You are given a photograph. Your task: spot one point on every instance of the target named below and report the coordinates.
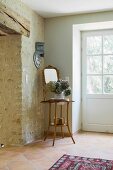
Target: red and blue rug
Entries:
(67, 162)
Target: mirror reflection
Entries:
(50, 75)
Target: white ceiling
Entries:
(53, 8)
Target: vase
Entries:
(59, 96)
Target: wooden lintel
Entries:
(7, 30)
(2, 33)
(11, 22)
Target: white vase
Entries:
(59, 96)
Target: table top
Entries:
(54, 100)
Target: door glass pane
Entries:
(108, 44)
(94, 45)
(94, 84)
(108, 64)
(108, 84)
(94, 64)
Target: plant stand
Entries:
(55, 124)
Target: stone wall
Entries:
(10, 90)
(32, 118)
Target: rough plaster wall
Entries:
(32, 111)
(33, 119)
(10, 90)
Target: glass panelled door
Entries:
(97, 81)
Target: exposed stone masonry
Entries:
(21, 114)
(10, 90)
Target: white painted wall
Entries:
(59, 50)
(76, 73)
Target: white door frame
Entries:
(76, 68)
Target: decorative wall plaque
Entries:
(39, 52)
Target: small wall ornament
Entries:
(39, 52)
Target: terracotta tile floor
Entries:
(41, 155)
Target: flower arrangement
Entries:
(59, 86)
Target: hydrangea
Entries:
(59, 86)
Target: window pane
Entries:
(108, 84)
(94, 45)
(108, 44)
(108, 64)
(94, 84)
(94, 64)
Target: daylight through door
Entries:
(97, 81)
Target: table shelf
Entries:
(53, 124)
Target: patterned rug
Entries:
(67, 162)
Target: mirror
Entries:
(50, 74)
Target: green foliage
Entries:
(67, 92)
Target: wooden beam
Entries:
(2, 33)
(11, 22)
(7, 30)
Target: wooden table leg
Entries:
(61, 125)
(68, 123)
(49, 121)
(46, 134)
(55, 123)
(62, 132)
